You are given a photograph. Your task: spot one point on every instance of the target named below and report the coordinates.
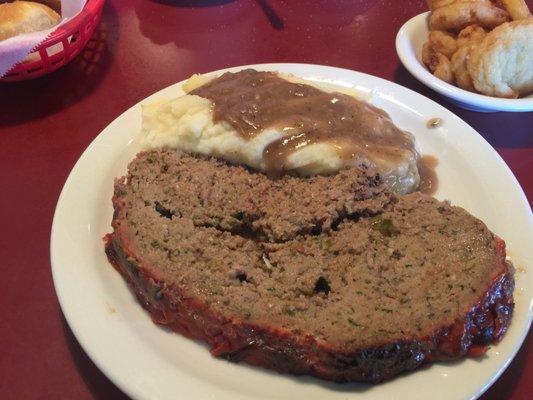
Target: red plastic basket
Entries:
(63, 45)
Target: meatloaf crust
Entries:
(482, 319)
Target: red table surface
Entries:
(142, 46)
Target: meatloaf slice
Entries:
(232, 198)
(375, 294)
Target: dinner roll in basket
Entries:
(24, 17)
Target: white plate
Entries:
(149, 362)
(409, 41)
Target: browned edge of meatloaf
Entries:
(300, 353)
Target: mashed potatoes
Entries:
(186, 123)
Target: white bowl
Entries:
(409, 41)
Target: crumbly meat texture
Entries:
(365, 298)
(214, 193)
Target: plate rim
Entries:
(112, 375)
(404, 48)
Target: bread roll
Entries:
(24, 17)
(53, 4)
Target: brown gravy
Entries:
(251, 101)
(429, 181)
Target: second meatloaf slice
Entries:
(336, 278)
